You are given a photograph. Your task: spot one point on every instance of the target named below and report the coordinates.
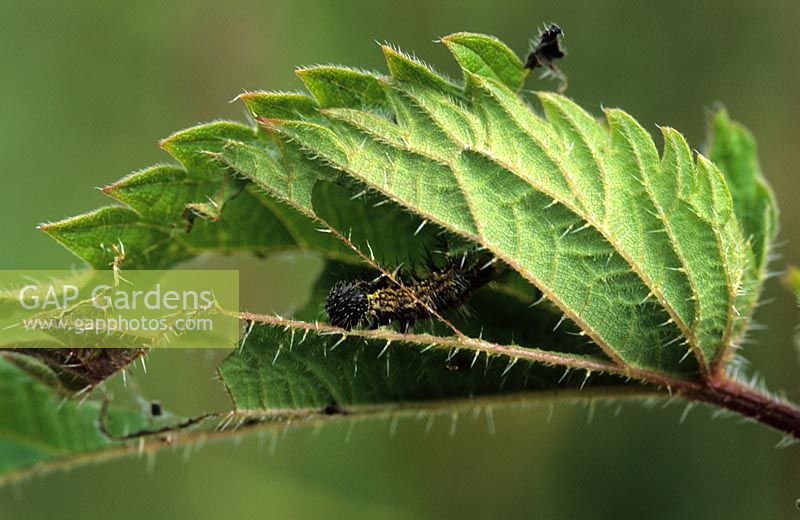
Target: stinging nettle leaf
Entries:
(630, 269)
(646, 211)
(48, 428)
(592, 215)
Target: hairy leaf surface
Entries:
(629, 265)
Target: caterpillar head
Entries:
(348, 305)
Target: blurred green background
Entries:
(87, 89)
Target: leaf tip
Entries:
(453, 38)
(546, 96)
(166, 143)
(302, 72)
(718, 110)
(670, 134)
(388, 50)
(245, 96)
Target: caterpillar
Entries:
(371, 304)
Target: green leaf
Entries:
(733, 150)
(100, 237)
(291, 371)
(498, 174)
(487, 56)
(629, 269)
(38, 427)
(592, 216)
(174, 213)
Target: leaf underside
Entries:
(649, 263)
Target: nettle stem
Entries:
(749, 402)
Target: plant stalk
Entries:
(749, 402)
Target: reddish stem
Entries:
(749, 402)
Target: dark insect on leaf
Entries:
(546, 50)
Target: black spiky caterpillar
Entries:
(371, 304)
